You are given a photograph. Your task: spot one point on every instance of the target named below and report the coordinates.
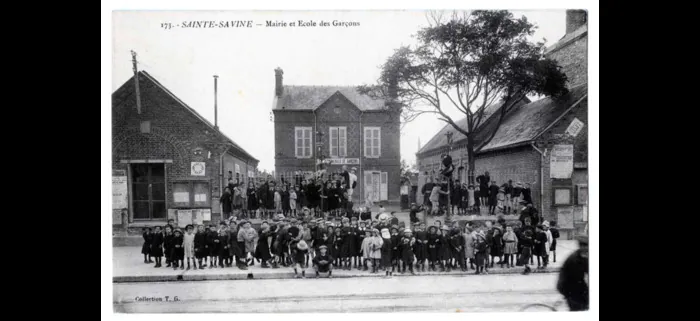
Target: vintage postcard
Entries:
(350, 161)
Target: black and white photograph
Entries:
(351, 161)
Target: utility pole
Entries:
(136, 81)
(448, 218)
(216, 123)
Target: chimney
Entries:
(575, 19)
(278, 81)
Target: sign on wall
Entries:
(561, 161)
(575, 127)
(197, 168)
(251, 174)
(119, 192)
(184, 217)
(565, 217)
(344, 161)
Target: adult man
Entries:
(508, 187)
(493, 197)
(322, 262)
(447, 167)
(483, 181)
(426, 191)
(572, 283)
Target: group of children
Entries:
(349, 243)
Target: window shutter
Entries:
(376, 143)
(384, 190)
(368, 142)
(334, 141)
(307, 142)
(342, 142)
(298, 142)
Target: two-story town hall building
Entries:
(342, 126)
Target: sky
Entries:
(185, 59)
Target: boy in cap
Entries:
(445, 250)
(322, 262)
(168, 245)
(526, 242)
(361, 235)
(434, 242)
(299, 250)
(481, 247)
(178, 250)
(540, 241)
(555, 235)
(386, 251)
(406, 250)
(212, 245)
(420, 249)
(200, 245)
(146, 248)
(457, 246)
(395, 253)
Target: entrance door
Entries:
(148, 186)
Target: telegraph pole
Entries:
(136, 81)
(216, 123)
(448, 218)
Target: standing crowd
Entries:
(381, 243)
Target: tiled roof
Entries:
(526, 122)
(568, 38)
(194, 113)
(311, 97)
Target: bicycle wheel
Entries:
(538, 307)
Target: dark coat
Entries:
(457, 246)
(178, 250)
(395, 252)
(497, 245)
(445, 250)
(434, 244)
(252, 199)
(420, 248)
(157, 245)
(493, 194)
(223, 245)
(262, 251)
(571, 283)
(200, 245)
(540, 244)
(147, 240)
(406, 249)
(168, 245)
(555, 236)
(210, 245)
(386, 253)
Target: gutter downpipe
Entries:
(544, 154)
(314, 145)
(362, 150)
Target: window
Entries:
(146, 126)
(148, 191)
(302, 142)
(373, 139)
(191, 194)
(562, 196)
(582, 194)
(338, 141)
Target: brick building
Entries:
(342, 126)
(167, 160)
(522, 148)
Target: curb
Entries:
(290, 275)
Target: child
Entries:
(526, 250)
(348, 243)
(471, 199)
(540, 241)
(386, 251)
(322, 262)
(445, 251)
(250, 239)
(414, 213)
(308, 237)
(278, 201)
(356, 248)
(168, 245)
(262, 251)
(222, 245)
(299, 250)
(420, 249)
(501, 197)
(395, 253)
(200, 245)
(337, 246)
(481, 246)
(365, 249)
(457, 246)
(146, 248)
(555, 235)
(293, 200)
(406, 249)
(361, 236)
(433, 247)
(497, 246)
(550, 240)
(469, 238)
(157, 246)
(178, 250)
(212, 243)
(477, 200)
(510, 241)
(188, 244)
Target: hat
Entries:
(302, 245)
(354, 218)
(519, 184)
(385, 233)
(383, 217)
(322, 247)
(582, 240)
(354, 169)
(408, 230)
(445, 228)
(432, 227)
(374, 230)
(394, 229)
(545, 224)
(294, 221)
(305, 209)
(177, 230)
(280, 216)
(345, 219)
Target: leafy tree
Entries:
(468, 62)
